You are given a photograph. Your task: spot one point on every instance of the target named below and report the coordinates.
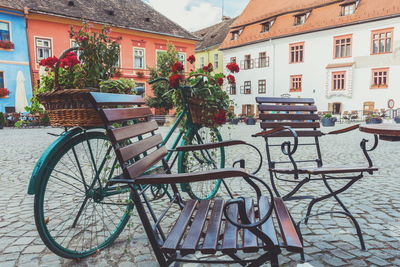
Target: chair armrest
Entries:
(209, 145)
(190, 177)
(289, 234)
(345, 130)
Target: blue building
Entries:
(15, 73)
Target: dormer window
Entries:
(235, 35)
(300, 19)
(348, 8)
(266, 26)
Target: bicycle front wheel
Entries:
(76, 213)
(201, 160)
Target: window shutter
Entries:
(252, 110)
(330, 107)
(243, 109)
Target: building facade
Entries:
(344, 54)
(15, 73)
(207, 50)
(141, 32)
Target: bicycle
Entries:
(73, 198)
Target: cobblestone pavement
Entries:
(329, 240)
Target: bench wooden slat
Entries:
(170, 245)
(142, 165)
(121, 114)
(310, 108)
(284, 100)
(292, 117)
(139, 147)
(296, 125)
(230, 239)
(214, 225)
(134, 130)
(268, 227)
(288, 230)
(193, 236)
(116, 99)
(249, 239)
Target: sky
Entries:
(197, 14)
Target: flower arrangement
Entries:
(4, 92)
(208, 102)
(7, 45)
(140, 74)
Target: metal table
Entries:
(386, 131)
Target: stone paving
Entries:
(329, 240)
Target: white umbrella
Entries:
(20, 93)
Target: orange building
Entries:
(142, 32)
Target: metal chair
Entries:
(280, 118)
(224, 227)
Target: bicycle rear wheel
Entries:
(201, 160)
(76, 213)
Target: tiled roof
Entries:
(214, 35)
(132, 14)
(324, 14)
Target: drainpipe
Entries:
(26, 13)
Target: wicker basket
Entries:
(69, 108)
(201, 115)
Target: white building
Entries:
(344, 54)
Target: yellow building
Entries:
(207, 50)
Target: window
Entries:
(382, 41)
(262, 86)
(338, 80)
(201, 62)
(348, 9)
(233, 59)
(43, 49)
(296, 53)
(138, 61)
(118, 63)
(247, 62)
(246, 89)
(216, 61)
(248, 110)
(380, 78)
(235, 35)
(5, 31)
(265, 26)
(296, 83)
(337, 108)
(232, 89)
(262, 60)
(342, 46)
(182, 58)
(300, 19)
(73, 45)
(2, 83)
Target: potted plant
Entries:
(2, 120)
(6, 45)
(234, 121)
(69, 79)
(373, 119)
(140, 74)
(328, 120)
(4, 93)
(397, 119)
(250, 120)
(121, 86)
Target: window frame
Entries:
(158, 51)
(9, 29)
(386, 76)
(262, 86)
(296, 19)
(233, 60)
(202, 62)
(262, 60)
(183, 61)
(3, 73)
(247, 91)
(235, 35)
(344, 6)
(143, 57)
(232, 89)
(247, 62)
(293, 45)
(265, 25)
(299, 81)
(340, 38)
(36, 38)
(344, 80)
(216, 62)
(379, 32)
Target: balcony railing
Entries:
(247, 64)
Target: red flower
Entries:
(4, 92)
(49, 62)
(191, 59)
(208, 68)
(6, 45)
(231, 79)
(70, 60)
(220, 117)
(233, 67)
(177, 67)
(175, 79)
(220, 81)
